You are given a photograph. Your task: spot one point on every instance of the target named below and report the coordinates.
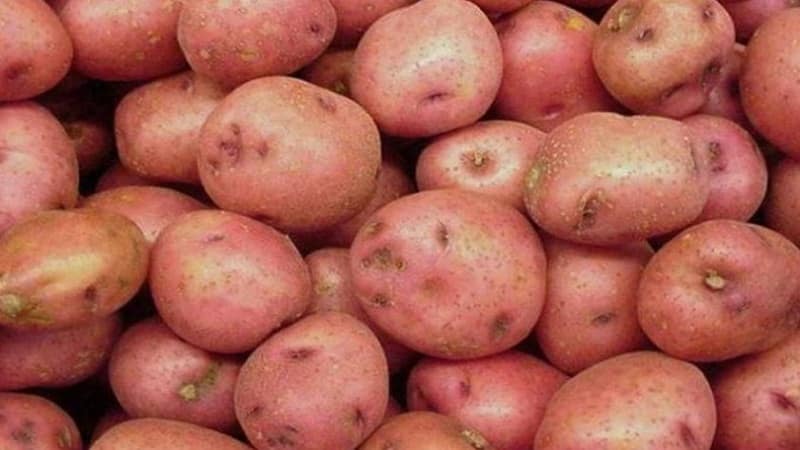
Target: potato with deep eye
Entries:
(31, 421)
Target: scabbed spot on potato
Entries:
(381, 301)
(589, 207)
(714, 280)
(194, 390)
(500, 326)
(22, 310)
(474, 439)
(624, 19)
(383, 259)
(300, 354)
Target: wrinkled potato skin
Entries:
(33, 422)
(724, 100)
(331, 71)
(783, 200)
(356, 16)
(164, 434)
(423, 430)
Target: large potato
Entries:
(641, 400)
(449, 273)
(783, 201)
(30, 422)
(605, 179)
(60, 269)
(297, 156)
(164, 434)
(427, 68)
(354, 17)
(719, 290)
(320, 384)
(423, 430)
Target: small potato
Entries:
(153, 373)
(33, 422)
(60, 269)
(211, 269)
(491, 157)
(93, 141)
(724, 100)
(606, 179)
(319, 384)
(590, 312)
(719, 290)
(233, 42)
(449, 273)
(54, 359)
(156, 126)
(164, 434)
(428, 68)
(36, 52)
(331, 71)
(548, 74)
(640, 400)
(151, 208)
(748, 15)
(502, 396)
(295, 155)
(757, 400)
(663, 57)
(783, 201)
(423, 430)
(117, 176)
(112, 417)
(130, 42)
(356, 16)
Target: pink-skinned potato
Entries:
(319, 384)
(425, 430)
(449, 273)
(110, 418)
(164, 434)
(331, 71)
(724, 100)
(33, 422)
(354, 17)
(783, 199)
(54, 359)
(748, 15)
(60, 269)
(503, 396)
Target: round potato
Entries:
(724, 100)
(164, 434)
(783, 201)
(423, 430)
(355, 16)
(331, 71)
(33, 422)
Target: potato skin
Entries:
(236, 41)
(724, 99)
(770, 98)
(500, 6)
(321, 383)
(423, 430)
(41, 52)
(783, 199)
(33, 422)
(331, 71)
(449, 273)
(453, 88)
(66, 268)
(748, 15)
(354, 17)
(641, 400)
(117, 175)
(719, 290)
(757, 398)
(93, 141)
(605, 179)
(164, 434)
(298, 156)
(213, 268)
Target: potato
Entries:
(605, 179)
(491, 157)
(449, 273)
(748, 15)
(130, 42)
(93, 141)
(783, 200)
(211, 269)
(117, 175)
(164, 434)
(757, 400)
(38, 165)
(724, 100)
(151, 208)
(663, 56)
(297, 156)
(33, 422)
(548, 74)
(640, 400)
(427, 68)
(156, 126)
(236, 41)
(355, 16)
(153, 373)
(503, 396)
(60, 269)
(57, 358)
(423, 430)
(112, 417)
(321, 383)
(590, 312)
(36, 52)
(771, 99)
(331, 71)
(719, 290)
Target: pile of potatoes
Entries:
(399, 224)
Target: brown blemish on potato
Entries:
(193, 390)
(604, 319)
(21, 310)
(17, 70)
(624, 18)
(383, 259)
(90, 295)
(714, 280)
(434, 97)
(231, 145)
(381, 301)
(300, 354)
(327, 104)
(341, 88)
(588, 208)
(687, 436)
(500, 326)
(358, 418)
(432, 286)
(64, 438)
(474, 439)
(442, 235)
(645, 35)
(715, 151)
(25, 434)
(214, 238)
(315, 27)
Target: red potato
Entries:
(783, 201)
(331, 71)
(117, 176)
(548, 74)
(214, 268)
(33, 422)
(724, 100)
(164, 434)
(111, 418)
(503, 396)
(590, 312)
(451, 274)
(719, 290)
(748, 15)
(319, 384)
(427, 68)
(354, 17)
(770, 96)
(153, 373)
(423, 430)
(93, 141)
(491, 157)
(36, 51)
(233, 42)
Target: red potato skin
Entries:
(41, 52)
(33, 422)
(356, 16)
(590, 312)
(783, 200)
(93, 141)
(117, 175)
(424, 430)
(500, 6)
(548, 74)
(109, 419)
(331, 71)
(748, 15)
(502, 396)
(164, 434)
(724, 100)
